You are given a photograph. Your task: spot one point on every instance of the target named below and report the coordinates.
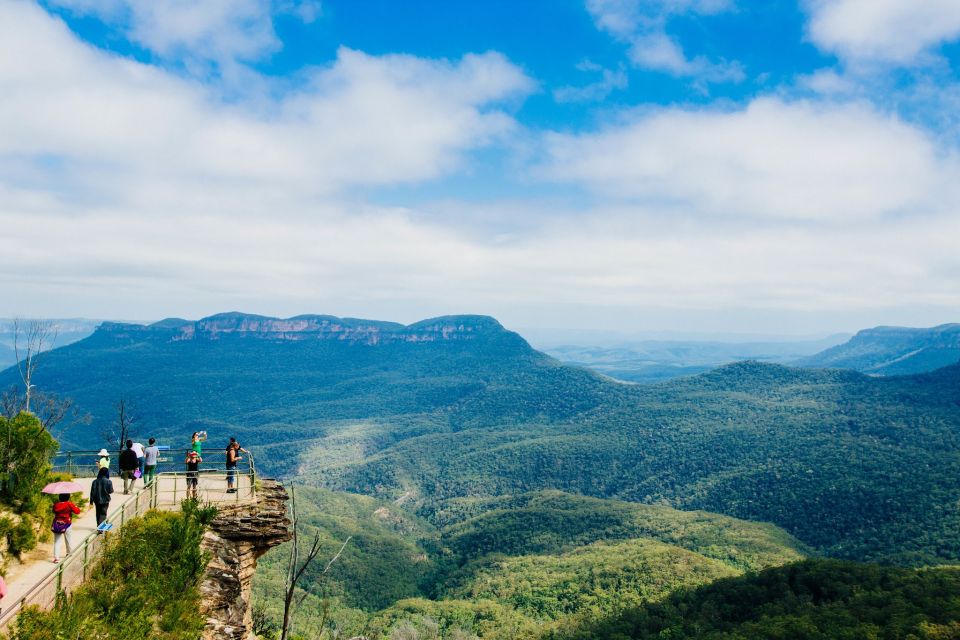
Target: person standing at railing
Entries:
(63, 512)
(128, 465)
(233, 457)
(193, 472)
(138, 449)
(150, 455)
(100, 492)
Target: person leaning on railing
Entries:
(233, 457)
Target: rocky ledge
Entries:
(237, 537)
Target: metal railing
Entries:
(163, 493)
(84, 463)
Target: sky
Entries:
(787, 167)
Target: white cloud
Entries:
(610, 80)
(886, 31)
(801, 160)
(132, 132)
(642, 24)
(129, 192)
(220, 31)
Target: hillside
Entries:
(893, 351)
(854, 466)
(537, 560)
(811, 599)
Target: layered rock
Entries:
(306, 327)
(236, 538)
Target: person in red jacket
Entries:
(63, 511)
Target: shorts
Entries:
(231, 474)
(192, 478)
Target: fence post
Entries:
(60, 578)
(86, 543)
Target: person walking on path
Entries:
(100, 492)
(63, 512)
(138, 449)
(128, 465)
(150, 455)
(233, 457)
(193, 473)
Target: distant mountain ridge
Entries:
(893, 351)
(304, 327)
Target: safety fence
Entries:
(167, 491)
(81, 464)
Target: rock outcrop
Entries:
(305, 327)
(237, 537)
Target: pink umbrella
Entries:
(67, 486)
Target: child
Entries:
(63, 511)
(193, 468)
(196, 442)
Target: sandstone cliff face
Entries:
(309, 327)
(238, 536)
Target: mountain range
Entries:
(854, 466)
(893, 351)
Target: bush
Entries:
(146, 585)
(25, 450)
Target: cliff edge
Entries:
(236, 538)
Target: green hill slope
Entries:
(535, 561)
(810, 600)
(893, 351)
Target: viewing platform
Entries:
(36, 580)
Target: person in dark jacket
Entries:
(129, 463)
(100, 492)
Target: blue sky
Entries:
(632, 165)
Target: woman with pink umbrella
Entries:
(63, 512)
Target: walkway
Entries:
(36, 579)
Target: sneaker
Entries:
(231, 490)
(56, 560)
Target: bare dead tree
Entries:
(122, 427)
(296, 568)
(30, 338)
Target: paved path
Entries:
(36, 566)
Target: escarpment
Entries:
(236, 538)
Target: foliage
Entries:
(26, 449)
(811, 599)
(525, 562)
(146, 585)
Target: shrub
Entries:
(146, 585)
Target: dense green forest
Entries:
(535, 562)
(813, 599)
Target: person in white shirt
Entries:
(138, 449)
(150, 455)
